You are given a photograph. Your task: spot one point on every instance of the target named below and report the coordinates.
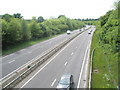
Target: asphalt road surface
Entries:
(15, 60)
(71, 59)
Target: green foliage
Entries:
(4, 31)
(26, 33)
(109, 25)
(16, 30)
(62, 16)
(17, 15)
(104, 18)
(40, 19)
(105, 58)
(35, 30)
(7, 17)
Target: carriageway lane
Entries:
(68, 60)
(14, 61)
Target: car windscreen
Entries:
(65, 81)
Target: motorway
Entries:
(14, 61)
(71, 59)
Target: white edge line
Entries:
(78, 86)
(44, 66)
(53, 82)
(86, 66)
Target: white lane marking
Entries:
(45, 65)
(53, 82)
(65, 63)
(78, 86)
(72, 53)
(8, 55)
(86, 69)
(11, 61)
(76, 47)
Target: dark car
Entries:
(89, 33)
(66, 82)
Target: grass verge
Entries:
(104, 64)
(19, 46)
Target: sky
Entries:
(73, 9)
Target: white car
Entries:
(68, 32)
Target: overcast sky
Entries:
(53, 8)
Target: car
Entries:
(66, 82)
(89, 33)
(68, 32)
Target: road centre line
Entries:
(46, 64)
(53, 82)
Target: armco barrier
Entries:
(20, 74)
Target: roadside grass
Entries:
(19, 46)
(104, 64)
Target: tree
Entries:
(34, 18)
(17, 15)
(26, 33)
(62, 16)
(7, 17)
(104, 18)
(40, 19)
(35, 30)
(14, 32)
(4, 32)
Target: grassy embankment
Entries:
(105, 64)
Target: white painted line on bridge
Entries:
(53, 82)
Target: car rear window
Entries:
(65, 81)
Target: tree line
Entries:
(108, 26)
(15, 29)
